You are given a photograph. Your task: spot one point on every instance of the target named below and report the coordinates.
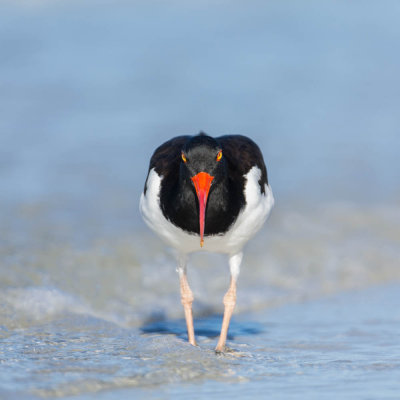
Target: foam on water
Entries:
(38, 303)
(130, 280)
(332, 347)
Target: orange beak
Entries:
(202, 183)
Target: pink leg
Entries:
(187, 300)
(229, 301)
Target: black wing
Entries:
(242, 154)
(167, 157)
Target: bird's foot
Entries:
(227, 351)
(223, 350)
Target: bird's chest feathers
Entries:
(180, 206)
(183, 234)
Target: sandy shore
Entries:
(343, 346)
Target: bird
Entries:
(205, 193)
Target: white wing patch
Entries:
(250, 220)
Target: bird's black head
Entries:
(203, 163)
(202, 153)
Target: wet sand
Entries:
(342, 346)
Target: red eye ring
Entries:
(219, 155)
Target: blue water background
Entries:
(88, 89)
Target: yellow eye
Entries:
(183, 157)
(219, 155)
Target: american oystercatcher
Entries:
(209, 194)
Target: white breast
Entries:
(250, 220)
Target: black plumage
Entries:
(178, 199)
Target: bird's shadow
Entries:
(208, 326)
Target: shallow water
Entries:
(89, 298)
(105, 320)
(338, 346)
